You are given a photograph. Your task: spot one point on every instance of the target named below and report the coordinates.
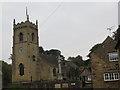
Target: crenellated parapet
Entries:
(25, 24)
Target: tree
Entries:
(53, 52)
(77, 60)
(74, 73)
(41, 50)
(95, 47)
(6, 73)
(87, 63)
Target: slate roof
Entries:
(85, 72)
(118, 37)
(71, 64)
(49, 59)
(68, 65)
(117, 45)
(106, 47)
(53, 61)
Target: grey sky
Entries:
(73, 28)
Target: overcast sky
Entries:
(71, 27)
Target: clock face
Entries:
(20, 49)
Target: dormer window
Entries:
(21, 36)
(113, 56)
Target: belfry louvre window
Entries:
(111, 76)
(113, 56)
(21, 36)
(33, 57)
(33, 36)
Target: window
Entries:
(111, 76)
(33, 57)
(21, 37)
(113, 56)
(21, 69)
(33, 36)
(54, 71)
(64, 64)
(116, 76)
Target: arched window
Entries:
(21, 36)
(33, 36)
(54, 71)
(21, 69)
(33, 57)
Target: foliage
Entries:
(87, 63)
(41, 50)
(95, 47)
(77, 60)
(6, 73)
(53, 52)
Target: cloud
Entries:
(73, 28)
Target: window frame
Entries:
(21, 69)
(112, 76)
(113, 56)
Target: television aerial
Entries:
(110, 29)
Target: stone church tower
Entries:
(25, 51)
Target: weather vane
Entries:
(27, 14)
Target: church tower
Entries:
(25, 51)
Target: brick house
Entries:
(104, 65)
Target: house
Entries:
(85, 75)
(67, 68)
(105, 65)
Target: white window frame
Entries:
(111, 76)
(113, 56)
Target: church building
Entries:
(27, 64)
